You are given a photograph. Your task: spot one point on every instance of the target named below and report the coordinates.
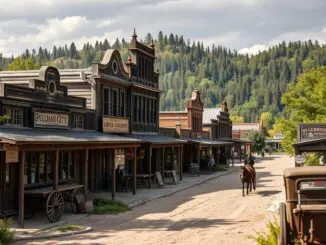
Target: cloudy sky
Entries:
(244, 25)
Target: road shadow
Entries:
(267, 193)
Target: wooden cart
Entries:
(54, 200)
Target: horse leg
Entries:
(254, 183)
(250, 185)
(247, 187)
(243, 193)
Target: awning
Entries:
(241, 141)
(156, 139)
(206, 141)
(40, 136)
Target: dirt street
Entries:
(211, 213)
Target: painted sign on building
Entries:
(115, 125)
(51, 119)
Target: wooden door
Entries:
(8, 186)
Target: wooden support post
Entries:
(163, 162)
(218, 155)
(198, 159)
(86, 171)
(113, 175)
(56, 170)
(134, 172)
(240, 153)
(21, 189)
(181, 161)
(150, 167)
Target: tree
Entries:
(20, 64)
(73, 53)
(258, 141)
(237, 119)
(304, 102)
(266, 119)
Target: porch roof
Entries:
(156, 139)
(206, 141)
(46, 136)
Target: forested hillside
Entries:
(251, 85)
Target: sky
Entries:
(244, 25)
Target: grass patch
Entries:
(66, 228)
(6, 235)
(270, 237)
(106, 206)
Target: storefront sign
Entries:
(119, 158)
(51, 119)
(11, 154)
(115, 125)
(311, 131)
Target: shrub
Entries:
(6, 235)
(107, 206)
(270, 237)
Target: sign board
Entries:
(12, 154)
(311, 131)
(174, 177)
(159, 179)
(130, 154)
(300, 159)
(51, 119)
(119, 158)
(115, 125)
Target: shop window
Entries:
(14, 115)
(78, 121)
(66, 166)
(114, 102)
(38, 168)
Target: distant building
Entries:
(242, 130)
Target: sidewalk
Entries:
(39, 221)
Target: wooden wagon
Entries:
(53, 200)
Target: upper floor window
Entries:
(14, 115)
(114, 102)
(78, 121)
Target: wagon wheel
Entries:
(54, 206)
(77, 191)
(283, 238)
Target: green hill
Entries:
(250, 84)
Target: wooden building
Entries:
(125, 96)
(207, 132)
(49, 144)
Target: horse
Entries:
(248, 175)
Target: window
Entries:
(14, 115)
(66, 166)
(135, 109)
(38, 167)
(114, 102)
(78, 121)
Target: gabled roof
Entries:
(210, 113)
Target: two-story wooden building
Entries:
(49, 143)
(125, 97)
(207, 131)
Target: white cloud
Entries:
(320, 36)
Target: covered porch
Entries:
(43, 164)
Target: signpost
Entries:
(299, 160)
(309, 131)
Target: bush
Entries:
(269, 238)
(107, 206)
(6, 235)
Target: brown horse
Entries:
(248, 175)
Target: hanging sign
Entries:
(12, 154)
(311, 131)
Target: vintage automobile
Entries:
(303, 214)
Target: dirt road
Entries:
(211, 213)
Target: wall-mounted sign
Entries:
(311, 131)
(115, 125)
(51, 119)
(141, 154)
(119, 158)
(130, 154)
(12, 154)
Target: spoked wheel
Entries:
(54, 206)
(77, 192)
(283, 238)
